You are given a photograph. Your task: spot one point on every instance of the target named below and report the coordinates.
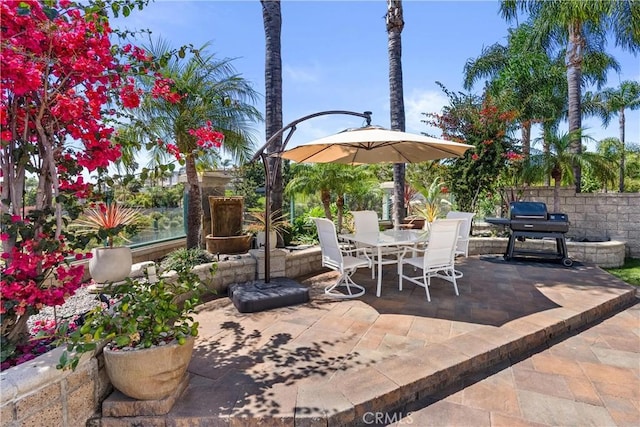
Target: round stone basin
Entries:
(229, 244)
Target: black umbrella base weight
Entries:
(259, 295)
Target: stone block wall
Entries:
(277, 264)
(604, 254)
(596, 216)
(235, 269)
(303, 262)
(37, 394)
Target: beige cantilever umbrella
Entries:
(373, 144)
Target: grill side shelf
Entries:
(498, 221)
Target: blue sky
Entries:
(334, 55)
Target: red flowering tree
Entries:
(482, 123)
(58, 71)
(62, 80)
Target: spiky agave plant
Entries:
(105, 221)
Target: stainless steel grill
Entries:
(531, 220)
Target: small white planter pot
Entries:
(260, 239)
(110, 264)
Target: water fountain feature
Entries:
(227, 236)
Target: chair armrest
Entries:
(356, 253)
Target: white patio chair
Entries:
(367, 222)
(462, 248)
(340, 260)
(438, 259)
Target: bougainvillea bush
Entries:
(63, 88)
(480, 122)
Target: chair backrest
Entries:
(365, 221)
(441, 248)
(331, 253)
(465, 229)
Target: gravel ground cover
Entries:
(81, 302)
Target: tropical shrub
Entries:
(58, 74)
(483, 124)
(184, 259)
(431, 209)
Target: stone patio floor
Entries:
(526, 343)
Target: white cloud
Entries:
(300, 74)
(422, 101)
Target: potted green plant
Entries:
(431, 208)
(147, 333)
(105, 222)
(258, 227)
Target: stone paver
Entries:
(351, 362)
(600, 386)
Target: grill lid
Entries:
(528, 210)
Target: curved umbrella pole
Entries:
(270, 178)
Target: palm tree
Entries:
(559, 162)
(330, 179)
(211, 91)
(395, 25)
(581, 27)
(523, 79)
(272, 19)
(611, 102)
(609, 148)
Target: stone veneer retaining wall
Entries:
(604, 254)
(37, 394)
(597, 216)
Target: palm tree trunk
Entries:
(556, 195)
(340, 206)
(526, 138)
(574, 58)
(547, 130)
(194, 204)
(325, 197)
(395, 25)
(272, 18)
(621, 121)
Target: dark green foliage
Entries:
(303, 230)
(185, 259)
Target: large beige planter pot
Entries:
(149, 374)
(110, 264)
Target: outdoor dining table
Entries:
(387, 238)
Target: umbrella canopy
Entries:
(374, 144)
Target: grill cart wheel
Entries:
(567, 262)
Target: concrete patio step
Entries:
(332, 362)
